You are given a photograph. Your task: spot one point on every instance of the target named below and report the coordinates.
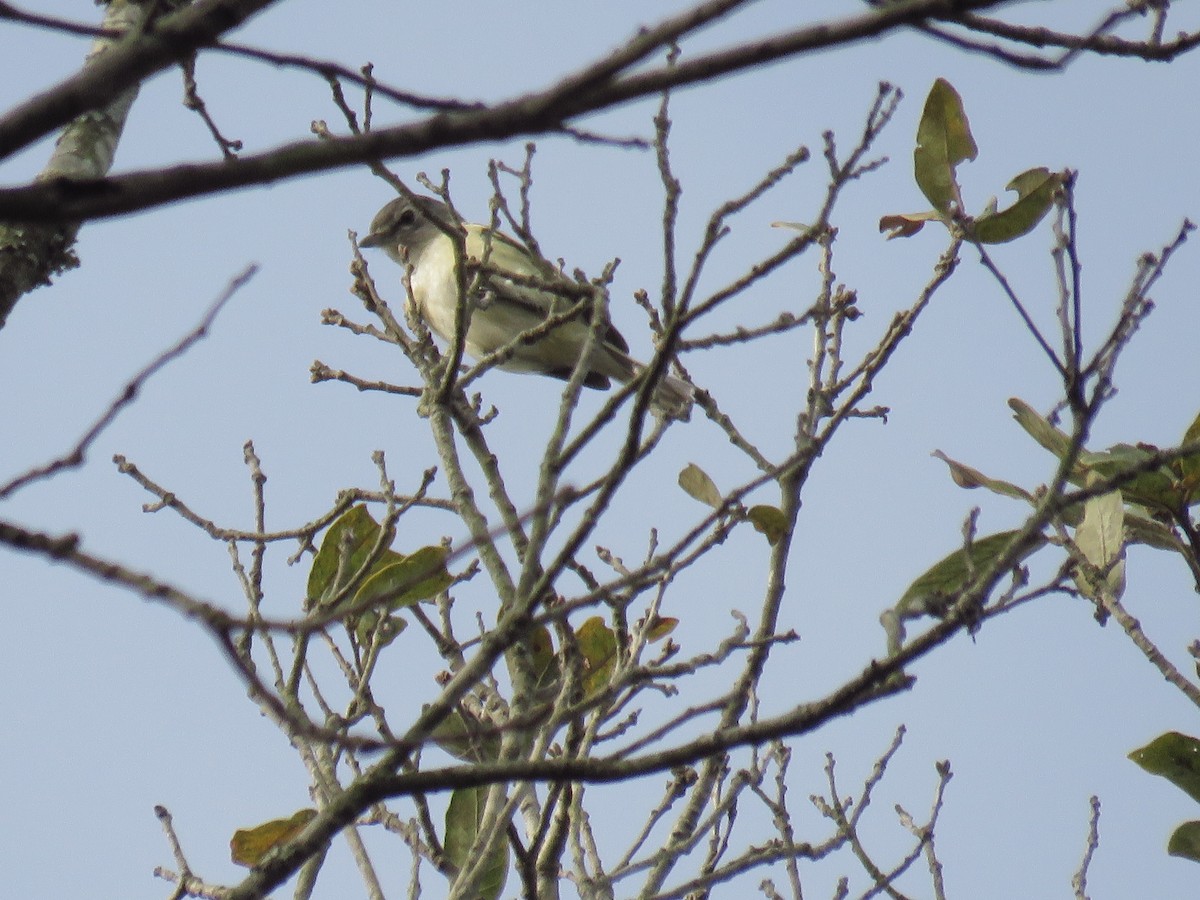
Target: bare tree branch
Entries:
(76, 456)
(126, 65)
(594, 87)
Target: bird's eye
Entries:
(407, 218)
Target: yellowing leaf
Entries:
(345, 548)
(395, 581)
(249, 845)
(542, 658)
(699, 486)
(404, 580)
(768, 520)
(660, 628)
(598, 644)
(943, 141)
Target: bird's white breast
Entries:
(433, 286)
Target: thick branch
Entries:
(593, 88)
(125, 66)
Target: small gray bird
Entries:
(413, 233)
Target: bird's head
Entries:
(405, 226)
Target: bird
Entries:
(414, 231)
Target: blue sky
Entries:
(112, 704)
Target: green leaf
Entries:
(1185, 841)
(1189, 466)
(966, 477)
(1101, 538)
(768, 520)
(1036, 190)
(1039, 428)
(1144, 530)
(1159, 488)
(399, 580)
(463, 816)
(355, 533)
(394, 581)
(462, 823)
(461, 737)
(598, 645)
(248, 846)
(1174, 756)
(792, 226)
(1156, 488)
(943, 141)
(542, 659)
(369, 627)
(660, 628)
(934, 591)
(699, 486)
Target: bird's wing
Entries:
(507, 255)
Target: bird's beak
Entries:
(374, 239)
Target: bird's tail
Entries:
(672, 398)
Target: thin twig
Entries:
(1079, 879)
(77, 455)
